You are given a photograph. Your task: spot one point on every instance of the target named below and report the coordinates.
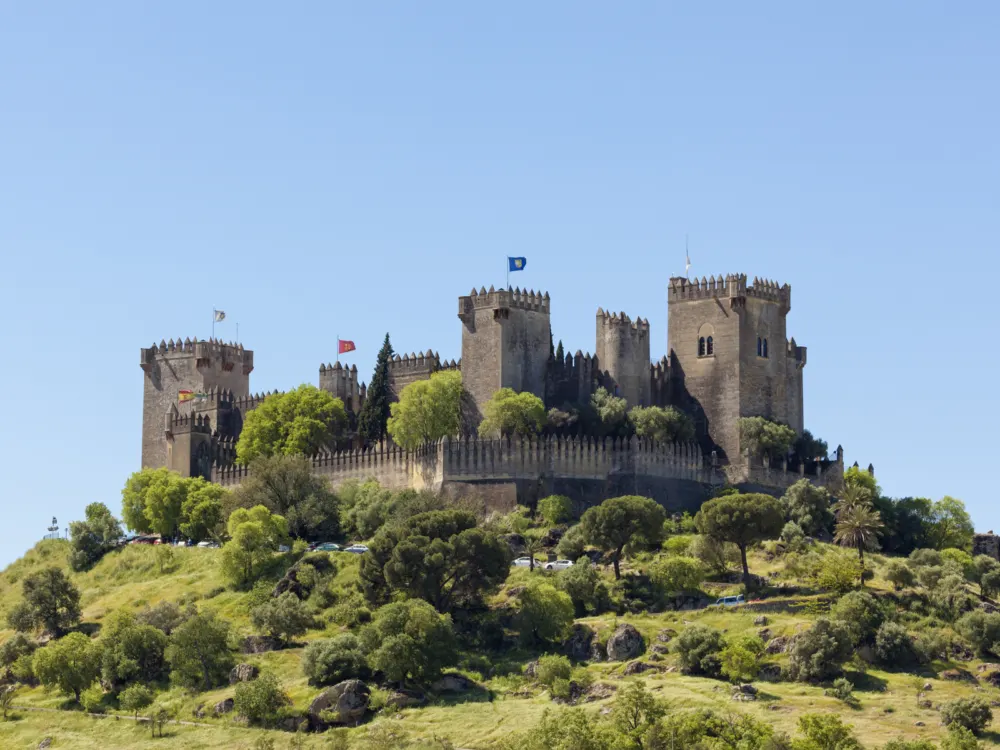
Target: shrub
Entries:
(842, 689)
(676, 574)
(699, 648)
(331, 661)
(552, 667)
(809, 507)
(894, 646)
(792, 536)
(838, 572)
(923, 558)
(990, 583)
(899, 575)
(718, 556)
(679, 545)
(819, 652)
(980, 629)
(135, 698)
(959, 738)
(544, 614)
(15, 647)
(972, 713)
(409, 640)
(584, 585)
(827, 732)
(740, 658)
(92, 700)
(283, 617)
(860, 613)
(950, 598)
(555, 509)
(573, 543)
(260, 700)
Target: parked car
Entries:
(327, 547)
(730, 601)
(357, 549)
(213, 545)
(283, 548)
(523, 562)
(559, 565)
(180, 543)
(145, 540)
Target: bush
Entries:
(199, 654)
(15, 647)
(792, 536)
(165, 616)
(699, 648)
(827, 732)
(573, 543)
(260, 700)
(838, 572)
(331, 661)
(959, 738)
(544, 614)
(678, 545)
(861, 614)
(819, 652)
(677, 574)
(584, 585)
(981, 630)
(718, 556)
(899, 575)
(842, 690)
(135, 698)
(894, 646)
(809, 507)
(972, 713)
(552, 667)
(283, 617)
(92, 700)
(950, 598)
(741, 658)
(923, 558)
(555, 509)
(409, 640)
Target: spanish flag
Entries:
(183, 396)
(345, 346)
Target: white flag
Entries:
(219, 316)
(687, 266)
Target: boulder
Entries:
(656, 657)
(927, 686)
(770, 673)
(764, 634)
(223, 707)
(744, 693)
(243, 673)
(993, 678)
(577, 645)
(919, 724)
(961, 652)
(531, 668)
(453, 683)
(45, 743)
(778, 645)
(405, 699)
(954, 675)
(866, 652)
(199, 711)
(598, 652)
(625, 643)
(346, 701)
(760, 620)
(659, 648)
(552, 537)
(259, 644)
(666, 635)
(599, 691)
(638, 667)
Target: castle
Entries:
(728, 357)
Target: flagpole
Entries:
(213, 322)
(507, 261)
(338, 349)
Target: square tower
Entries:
(623, 352)
(202, 367)
(730, 356)
(506, 339)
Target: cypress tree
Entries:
(375, 412)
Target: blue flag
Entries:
(516, 264)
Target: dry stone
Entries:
(224, 706)
(453, 683)
(625, 643)
(243, 673)
(577, 646)
(347, 701)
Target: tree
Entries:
(427, 410)
(198, 652)
(809, 507)
(439, 556)
(662, 424)
(863, 480)
(827, 732)
(573, 543)
(164, 616)
(53, 601)
(135, 698)
(544, 614)
(283, 617)
(861, 614)
(254, 535)
(21, 617)
(201, 510)
(764, 438)
(981, 630)
(409, 640)
(742, 520)
(260, 700)
(899, 575)
(15, 647)
(973, 713)
(130, 651)
(297, 423)
(818, 653)
(808, 448)
(673, 575)
(740, 659)
(286, 485)
(91, 538)
(71, 664)
(951, 525)
(376, 409)
(982, 566)
(584, 585)
(699, 647)
(340, 658)
(610, 411)
(617, 521)
(555, 509)
(508, 412)
(858, 526)
(635, 710)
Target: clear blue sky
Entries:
(317, 169)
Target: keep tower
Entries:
(506, 337)
(623, 352)
(730, 357)
(218, 372)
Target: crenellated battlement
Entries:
(732, 286)
(211, 353)
(621, 320)
(179, 424)
(418, 362)
(514, 298)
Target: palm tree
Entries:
(858, 526)
(533, 547)
(852, 496)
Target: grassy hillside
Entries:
(886, 704)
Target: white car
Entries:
(357, 549)
(522, 562)
(214, 545)
(559, 565)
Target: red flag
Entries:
(345, 346)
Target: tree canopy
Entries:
(254, 535)
(663, 424)
(93, 537)
(198, 652)
(427, 410)
(617, 521)
(375, 411)
(165, 503)
(764, 438)
(50, 600)
(71, 664)
(296, 423)
(742, 520)
(409, 640)
(610, 412)
(809, 506)
(508, 413)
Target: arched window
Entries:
(760, 350)
(706, 340)
(710, 347)
(765, 348)
(701, 346)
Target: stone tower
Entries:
(505, 342)
(216, 370)
(730, 357)
(623, 352)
